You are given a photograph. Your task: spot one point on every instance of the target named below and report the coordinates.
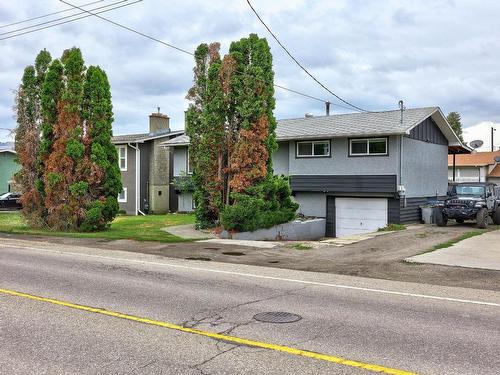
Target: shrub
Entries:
(261, 206)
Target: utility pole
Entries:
(492, 139)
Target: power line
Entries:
(130, 29)
(190, 53)
(61, 18)
(300, 65)
(47, 15)
(96, 14)
(67, 21)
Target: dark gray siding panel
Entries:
(330, 216)
(393, 214)
(428, 131)
(411, 213)
(344, 184)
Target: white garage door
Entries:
(359, 215)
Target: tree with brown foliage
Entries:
(74, 171)
(27, 139)
(231, 126)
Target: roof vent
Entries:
(309, 115)
(402, 109)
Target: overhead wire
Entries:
(68, 21)
(90, 13)
(47, 15)
(187, 52)
(300, 65)
(61, 18)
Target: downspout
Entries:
(401, 167)
(137, 176)
(402, 109)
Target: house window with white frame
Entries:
(189, 164)
(122, 197)
(122, 157)
(313, 149)
(368, 147)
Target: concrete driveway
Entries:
(477, 252)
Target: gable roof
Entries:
(365, 124)
(143, 137)
(476, 159)
(181, 140)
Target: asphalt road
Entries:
(417, 328)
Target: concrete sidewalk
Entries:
(188, 231)
(477, 252)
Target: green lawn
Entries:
(140, 228)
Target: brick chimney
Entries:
(158, 122)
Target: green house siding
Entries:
(8, 167)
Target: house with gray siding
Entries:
(146, 168)
(360, 171)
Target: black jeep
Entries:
(470, 201)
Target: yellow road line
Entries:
(233, 339)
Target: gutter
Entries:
(137, 176)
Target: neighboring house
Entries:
(359, 171)
(8, 168)
(475, 167)
(146, 169)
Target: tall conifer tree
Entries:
(101, 166)
(63, 187)
(27, 140)
(231, 126)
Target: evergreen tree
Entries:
(64, 189)
(27, 140)
(64, 134)
(231, 125)
(101, 160)
(205, 126)
(252, 99)
(455, 122)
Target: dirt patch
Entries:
(380, 257)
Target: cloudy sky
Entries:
(372, 53)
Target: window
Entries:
(189, 164)
(368, 146)
(122, 197)
(473, 191)
(122, 157)
(313, 149)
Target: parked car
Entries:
(10, 201)
(470, 201)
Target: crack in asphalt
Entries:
(199, 365)
(216, 319)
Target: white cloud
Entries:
(370, 52)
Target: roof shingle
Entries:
(126, 138)
(352, 125)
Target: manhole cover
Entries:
(234, 253)
(198, 258)
(277, 317)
